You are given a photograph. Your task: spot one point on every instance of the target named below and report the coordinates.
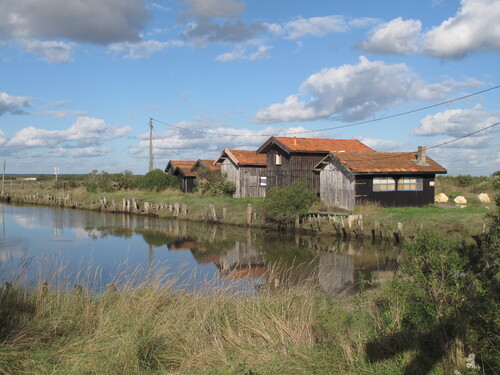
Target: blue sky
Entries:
(79, 79)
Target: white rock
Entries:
(441, 198)
(460, 200)
(483, 197)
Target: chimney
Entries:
(295, 141)
(421, 155)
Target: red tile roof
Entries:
(186, 171)
(387, 162)
(182, 163)
(244, 157)
(207, 164)
(311, 145)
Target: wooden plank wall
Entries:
(337, 187)
(241, 178)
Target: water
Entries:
(71, 246)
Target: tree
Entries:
(157, 180)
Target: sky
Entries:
(81, 79)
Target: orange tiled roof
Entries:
(182, 163)
(245, 157)
(386, 162)
(294, 144)
(186, 171)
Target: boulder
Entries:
(441, 198)
(460, 200)
(484, 198)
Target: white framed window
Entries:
(263, 181)
(410, 184)
(279, 159)
(384, 184)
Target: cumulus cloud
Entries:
(84, 132)
(317, 26)
(395, 37)
(474, 28)
(13, 104)
(213, 138)
(93, 21)
(50, 51)
(207, 31)
(355, 92)
(383, 145)
(214, 8)
(240, 53)
(456, 122)
(142, 49)
(83, 152)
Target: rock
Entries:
(441, 198)
(483, 197)
(460, 200)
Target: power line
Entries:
(339, 126)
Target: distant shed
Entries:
(182, 169)
(246, 169)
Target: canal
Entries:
(64, 247)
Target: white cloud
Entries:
(142, 49)
(3, 137)
(315, 26)
(93, 21)
(355, 92)
(50, 51)
(395, 37)
(205, 31)
(214, 8)
(475, 27)
(456, 122)
(83, 152)
(467, 161)
(84, 132)
(62, 113)
(383, 145)
(13, 104)
(240, 53)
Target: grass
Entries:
(152, 329)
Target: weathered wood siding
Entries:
(337, 186)
(187, 183)
(241, 176)
(364, 191)
(293, 167)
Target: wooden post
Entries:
(224, 213)
(184, 209)
(213, 213)
(176, 209)
(249, 214)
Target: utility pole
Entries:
(3, 175)
(150, 144)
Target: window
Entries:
(410, 184)
(384, 184)
(253, 180)
(279, 159)
(263, 181)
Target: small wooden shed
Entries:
(389, 178)
(246, 169)
(291, 158)
(182, 169)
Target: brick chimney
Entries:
(294, 141)
(422, 156)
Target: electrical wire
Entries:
(339, 126)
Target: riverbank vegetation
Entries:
(156, 188)
(438, 315)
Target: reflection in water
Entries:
(229, 254)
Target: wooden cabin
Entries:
(290, 158)
(246, 169)
(389, 178)
(182, 170)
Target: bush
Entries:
(282, 205)
(214, 184)
(157, 180)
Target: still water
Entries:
(71, 246)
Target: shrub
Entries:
(282, 205)
(214, 184)
(157, 180)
